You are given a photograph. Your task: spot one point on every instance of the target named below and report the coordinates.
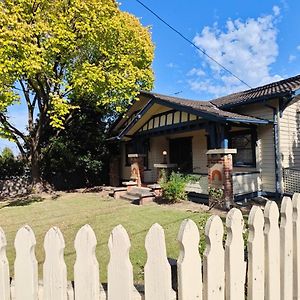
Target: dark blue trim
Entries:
(174, 128)
(136, 118)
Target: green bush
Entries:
(10, 166)
(174, 186)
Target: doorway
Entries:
(181, 153)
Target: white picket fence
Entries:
(272, 269)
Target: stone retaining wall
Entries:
(14, 187)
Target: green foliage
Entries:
(60, 48)
(79, 156)
(174, 186)
(215, 193)
(55, 52)
(9, 165)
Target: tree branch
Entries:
(12, 129)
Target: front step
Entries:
(139, 191)
(129, 197)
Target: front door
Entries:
(181, 154)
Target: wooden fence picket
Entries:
(273, 259)
(235, 268)
(272, 252)
(213, 260)
(26, 271)
(296, 246)
(158, 281)
(54, 269)
(120, 272)
(286, 249)
(256, 261)
(189, 261)
(86, 269)
(4, 269)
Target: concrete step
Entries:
(139, 191)
(129, 197)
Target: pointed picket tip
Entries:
(296, 200)
(119, 235)
(286, 204)
(234, 218)
(214, 225)
(188, 232)
(256, 217)
(296, 206)
(85, 233)
(271, 210)
(54, 235)
(26, 234)
(155, 232)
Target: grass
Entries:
(71, 211)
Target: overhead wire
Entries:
(192, 43)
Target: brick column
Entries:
(220, 185)
(137, 168)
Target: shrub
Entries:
(174, 186)
(10, 166)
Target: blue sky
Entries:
(257, 40)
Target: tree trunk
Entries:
(35, 167)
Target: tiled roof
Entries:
(272, 90)
(206, 107)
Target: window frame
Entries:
(253, 134)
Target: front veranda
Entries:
(185, 150)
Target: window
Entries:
(129, 149)
(134, 147)
(244, 142)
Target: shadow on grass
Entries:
(24, 201)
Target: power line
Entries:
(192, 43)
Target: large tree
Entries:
(54, 52)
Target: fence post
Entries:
(189, 261)
(4, 269)
(158, 282)
(256, 268)
(272, 252)
(296, 246)
(120, 274)
(26, 272)
(235, 268)
(86, 268)
(213, 260)
(54, 269)
(286, 249)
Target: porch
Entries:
(196, 137)
(188, 151)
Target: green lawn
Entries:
(70, 211)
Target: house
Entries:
(258, 130)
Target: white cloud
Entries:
(171, 65)
(276, 10)
(292, 58)
(199, 72)
(298, 47)
(247, 48)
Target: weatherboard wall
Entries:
(290, 136)
(265, 150)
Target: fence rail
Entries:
(271, 271)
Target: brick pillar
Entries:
(220, 185)
(137, 168)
